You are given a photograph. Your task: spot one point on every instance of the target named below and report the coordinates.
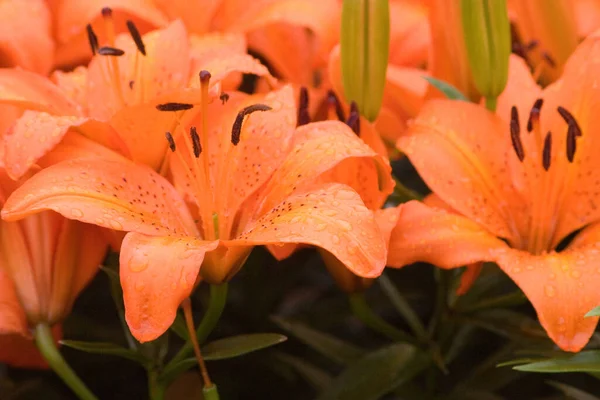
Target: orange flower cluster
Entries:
(146, 145)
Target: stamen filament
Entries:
(334, 103)
(303, 116)
(189, 322)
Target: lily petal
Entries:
(115, 194)
(438, 237)
(157, 274)
(21, 352)
(196, 15)
(325, 146)
(12, 317)
(331, 217)
(561, 286)
(460, 150)
(25, 35)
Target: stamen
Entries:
(171, 141)
(303, 116)
(174, 106)
(354, 119)
(549, 60)
(110, 51)
(107, 12)
(131, 84)
(534, 115)
(531, 45)
(204, 76)
(195, 142)
(570, 120)
(571, 143)
(92, 38)
(547, 152)
(515, 134)
(224, 97)
(236, 129)
(333, 100)
(137, 38)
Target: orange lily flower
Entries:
(527, 176)
(25, 35)
(249, 185)
(113, 101)
(46, 260)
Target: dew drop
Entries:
(335, 239)
(320, 227)
(549, 290)
(139, 286)
(115, 224)
(76, 213)
(345, 225)
(138, 262)
(575, 274)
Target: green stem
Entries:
(362, 311)
(210, 393)
(156, 390)
(490, 103)
(402, 194)
(45, 343)
(218, 298)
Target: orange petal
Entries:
(72, 16)
(32, 136)
(333, 218)
(387, 219)
(114, 194)
(196, 15)
(562, 287)
(325, 146)
(25, 35)
(438, 237)
(12, 316)
(521, 91)
(460, 150)
(157, 274)
(32, 91)
(74, 85)
(80, 249)
(587, 15)
(576, 184)
(409, 33)
(21, 352)
(468, 277)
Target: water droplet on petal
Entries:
(139, 286)
(550, 290)
(116, 225)
(76, 213)
(575, 274)
(335, 239)
(138, 262)
(345, 225)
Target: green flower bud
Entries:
(486, 31)
(364, 44)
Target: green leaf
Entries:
(117, 295)
(106, 348)
(331, 347)
(594, 312)
(178, 326)
(586, 361)
(173, 370)
(572, 392)
(377, 373)
(315, 376)
(236, 346)
(447, 89)
(403, 307)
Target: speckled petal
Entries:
(322, 147)
(157, 274)
(438, 237)
(115, 194)
(460, 150)
(331, 217)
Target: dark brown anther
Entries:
(110, 51)
(547, 151)
(204, 76)
(515, 134)
(354, 119)
(174, 106)
(531, 45)
(303, 116)
(195, 141)
(236, 129)
(570, 120)
(571, 143)
(224, 98)
(106, 12)
(137, 38)
(549, 60)
(333, 100)
(92, 38)
(170, 140)
(534, 115)
(131, 84)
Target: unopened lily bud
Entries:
(487, 38)
(364, 43)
